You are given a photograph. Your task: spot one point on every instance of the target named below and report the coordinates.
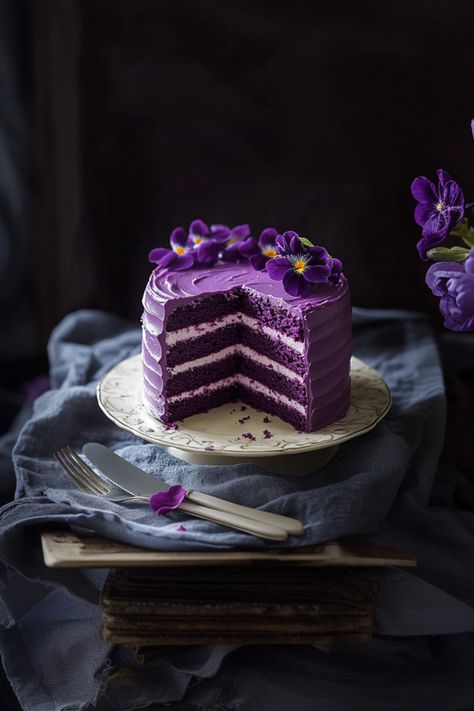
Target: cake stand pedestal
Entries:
(286, 464)
(235, 433)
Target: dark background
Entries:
(120, 120)
(131, 118)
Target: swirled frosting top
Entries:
(166, 286)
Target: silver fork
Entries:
(87, 480)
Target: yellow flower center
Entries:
(197, 240)
(270, 252)
(299, 265)
(440, 206)
(180, 250)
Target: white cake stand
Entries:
(236, 433)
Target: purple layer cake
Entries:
(227, 332)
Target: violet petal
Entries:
(164, 501)
(423, 190)
(184, 261)
(156, 254)
(178, 237)
(278, 267)
(198, 227)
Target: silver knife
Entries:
(135, 481)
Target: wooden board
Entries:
(63, 548)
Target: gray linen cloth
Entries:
(381, 484)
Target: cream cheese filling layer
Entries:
(189, 332)
(237, 349)
(241, 380)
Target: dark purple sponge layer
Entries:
(276, 350)
(204, 375)
(275, 381)
(213, 341)
(210, 308)
(209, 342)
(261, 402)
(271, 315)
(200, 403)
(203, 310)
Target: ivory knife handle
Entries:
(247, 525)
(291, 525)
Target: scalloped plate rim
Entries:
(292, 447)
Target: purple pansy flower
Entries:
(300, 267)
(259, 252)
(165, 501)
(179, 257)
(440, 209)
(454, 283)
(236, 237)
(207, 242)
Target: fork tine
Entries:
(76, 474)
(87, 472)
(72, 474)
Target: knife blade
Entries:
(135, 481)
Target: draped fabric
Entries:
(388, 483)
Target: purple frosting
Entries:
(326, 332)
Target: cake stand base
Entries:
(286, 464)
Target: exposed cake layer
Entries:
(214, 335)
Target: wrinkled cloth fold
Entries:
(379, 484)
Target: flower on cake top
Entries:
(295, 261)
(301, 266)
(207, 242)
(259, 252)
(236, 237)
(440, 209)
(454, 283)
(180, 256)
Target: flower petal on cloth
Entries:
(168, 500)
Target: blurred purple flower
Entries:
(236, 236)
(454, 283)
(300, 267)
(208, 242)
(199, 233)
(165, 501)
(440, 209)
(207, 252)
(259, 252)
(179, 257)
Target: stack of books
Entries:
(238, 605)
(157, 601)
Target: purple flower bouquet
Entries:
(441, 213)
